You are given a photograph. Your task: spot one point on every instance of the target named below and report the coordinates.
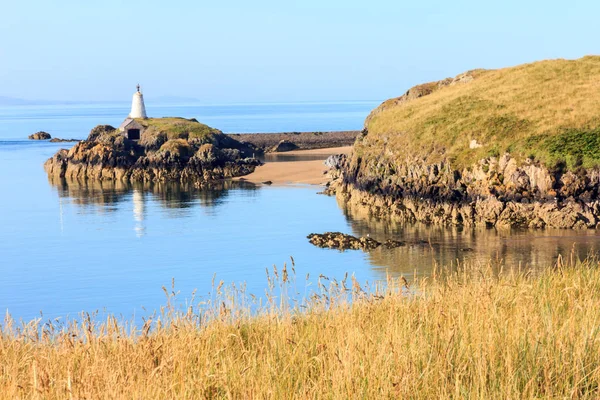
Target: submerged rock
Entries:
(41, 135)
(342, 241)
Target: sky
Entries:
(240, 51)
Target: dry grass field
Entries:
(481, 331)
(548, 111)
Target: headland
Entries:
(515, 147)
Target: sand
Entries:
(294, 172)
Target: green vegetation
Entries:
(573, 146)
(177, 146)
(548, 110)
(472, 333)
(178, 128)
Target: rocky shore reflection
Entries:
(102, 197)
(428, 246)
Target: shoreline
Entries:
(311, 172)
(267, 142)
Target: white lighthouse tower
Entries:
(138, 109)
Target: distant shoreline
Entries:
(302, 140)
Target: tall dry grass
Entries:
(479, 332)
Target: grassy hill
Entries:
(547, 110)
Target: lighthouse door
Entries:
(133, 134)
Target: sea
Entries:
(73, 247)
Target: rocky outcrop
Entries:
(335, 161)
(496, 192)
(108, 155)
(284, 145)
(265, 142)
(41, 135)
(59, 140)
(342, 241)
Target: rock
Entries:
(284, 145)
(267, 183)
(335, 161)
(495, 192)
(58, 140)
(108, 155)
(41, 135)
(474, 145)
(99, 131)
(392, 244)
(342, 241)
(152, 139)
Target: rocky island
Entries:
(515, 147)
(168, 149)
(154, 150)
(41, 135)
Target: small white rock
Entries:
(474, 145)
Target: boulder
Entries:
(283, 146)
(335, 161)
(41, 135)
(100, 130)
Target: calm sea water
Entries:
(67, 246)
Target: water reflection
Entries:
(426, 247)
(177, 199)
(170, 194)
(445, 246)
(139, 212)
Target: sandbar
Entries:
(296, 172)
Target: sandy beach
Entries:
(289, 172)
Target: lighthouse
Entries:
(130, 128)
(138, 109)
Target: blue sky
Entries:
(263, 50)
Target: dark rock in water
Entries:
(267, 183)
(284, 145)
(392, 244)
(342, 241)
(41, 135)
(59, 140)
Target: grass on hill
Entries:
(178, 128)
(547, 110)
(474, 333)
